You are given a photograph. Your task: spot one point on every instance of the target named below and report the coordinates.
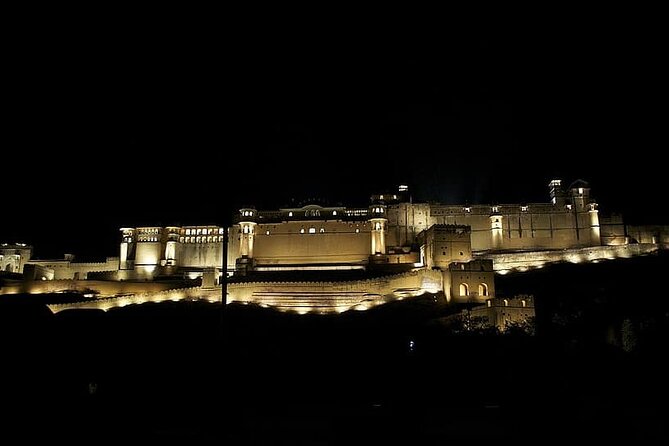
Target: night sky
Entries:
(131, 127)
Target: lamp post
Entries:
(224, 271)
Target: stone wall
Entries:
(66, 269)
(521, 261)
(301, 297)
(649, 234)
(105, 288)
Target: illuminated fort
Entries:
(337, 258)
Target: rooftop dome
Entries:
(579, 183)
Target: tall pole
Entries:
(224, 285)
(224, 270)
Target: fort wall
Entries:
(521, 261)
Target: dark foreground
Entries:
(595, 370)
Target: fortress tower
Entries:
(556, 193)
(579, 191)
(378, 222)
(247, 229)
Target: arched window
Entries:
(322, 230)
(483, 289)
(523, 303)
(290, 214)
(464, 289)
(489, 302)
(246, 230)
(301, 230)
(506, 302)
(334, 212)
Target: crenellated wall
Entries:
(105, 288)
(68, 269)
(302, 297)
(521, 261)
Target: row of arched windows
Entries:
(202, 231)
(464, 289)
(209, 239)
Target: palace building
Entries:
(393, 233)
(338, 257)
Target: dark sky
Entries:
(130, 127)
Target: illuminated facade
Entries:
(392, 249)
(503, 312)
(393, 232)
(13, 257)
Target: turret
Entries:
(247, 229)
(127, 248)
(595, 234)
(496, 225)
(580, 195)
(378, 222)
(171, 245)
(557, 193)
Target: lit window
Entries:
(568, 207)
(181, 239)
(506, 302)
(220, 230)
(580, 191)
(197, 239)
(380, 197)
(199, 231)
(464, 289)
(489, 302)
(468, 209)
(334, 212)
(266, 232)
(246, 230)
(394, 197)
(187, 231)
(312, 230)
(523, 303)
(495, 209)
(377, 226)
(301, 230)
(357, 230)
(483, 289)
(290, 214)
(322, 230)
(523, 208)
